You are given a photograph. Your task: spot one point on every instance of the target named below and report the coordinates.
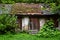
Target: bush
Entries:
(26, 1)
(48, 30)
(7, 1)
(7, 23)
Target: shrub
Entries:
(48, 30)
(7, 1)
(7, 23)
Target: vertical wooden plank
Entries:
(55, 22)
(20, 23)
(34, 23)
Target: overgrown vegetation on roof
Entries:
(26, 8)
(55, 4)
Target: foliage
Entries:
(48, 30)
(25, 37)
(7, 23)
(57, 9)
(38, 1)
(31, 1)
(7, 1)
(52, 7)
(54, 3)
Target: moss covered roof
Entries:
(19, 8)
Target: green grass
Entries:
(25, 37)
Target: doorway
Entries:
(34, 24)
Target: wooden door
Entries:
(20, 23)
(34, 24)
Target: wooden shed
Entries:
(31, 17)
